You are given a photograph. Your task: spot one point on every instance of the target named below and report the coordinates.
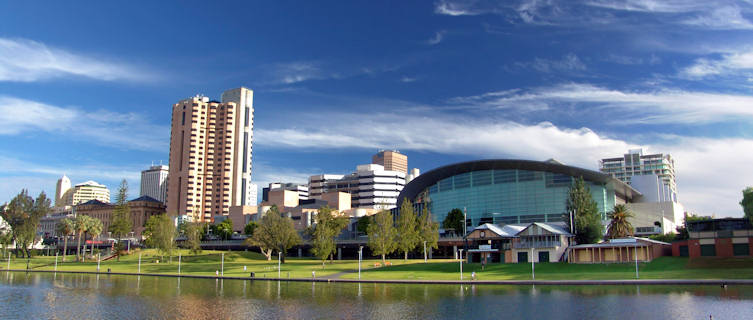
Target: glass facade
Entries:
(510, 196)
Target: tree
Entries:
(248, 230)
(224, 229)
(193, 232)
(275, 232)
(619, 226)
(747, 203)
(454, 221)
(382, 234)
(65, 227)
(160, 233)
(428, 230)
(327, 228)
(588, 228)
(80, 225)
(121, 217)
(22, 215)
(94, 228)
(362, 224)
(407, 229)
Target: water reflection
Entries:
(84, 296)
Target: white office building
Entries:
(154, 182)
(370, 186)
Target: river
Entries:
(86, 296)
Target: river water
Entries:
(84, 296)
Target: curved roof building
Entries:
(511, 191)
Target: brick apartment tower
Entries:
(210, 155)
(391, 160)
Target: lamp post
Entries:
(222, 265)
(99, 258)
(461, 264)
(424, 251)
(360, 256)
(139, 262)
(279, 263)
(635, 251)
(56, 261)
(533, 269)
(179, 264)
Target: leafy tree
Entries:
(747, 203)
(66, 227)
(327, 228)
(22, 215)
(94, 228)
(193, 232)
(250, 227)
(668, 237)
(275, 232)
(121, 217)
(619, 226)
(80, 225)
(362, 224)
(382, 234)
(682, 231)
(224, 229)
(588, 228)
(407, 229)
(160, 233)
(6, 238)
(428, 230)
(454, 221)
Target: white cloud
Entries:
(456, 8)
(728, 64)
(18, 174)
(729, 17)
(710, 172)
(568, 63)
(660, 106)
(26, 61)
(122, 130)
(408, 79)
(437, 38)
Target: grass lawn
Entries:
(209, 261)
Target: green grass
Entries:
(210, 261)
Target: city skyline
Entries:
(89, 93)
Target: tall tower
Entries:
(154, 182)
(63, 185)
(210, 155)
(391, 160)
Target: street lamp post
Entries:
(360, 256)
(461, 264)
(533, 269)
(222, 265)
(635, 251)
(425, 252)
(279, 263)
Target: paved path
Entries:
(339, 274)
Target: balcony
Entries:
(535, 245)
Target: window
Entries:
(543, 256)
(708, 250)
(741, 249)
(504, 176)
(522, 257)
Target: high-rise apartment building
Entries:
(154, 182)
(635, 163)
(62, 186)
(391, 160)
(86, 191)
(210, 155)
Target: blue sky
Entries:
(86, 89)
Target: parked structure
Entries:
(210, 155)
(620, 251)
(729, 237)
(154, 182)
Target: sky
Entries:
(86, 88)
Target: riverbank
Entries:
(240, 265)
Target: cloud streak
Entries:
(729, 64)
(701, 191)
(24, 60)
(106, 128)
(437, 38)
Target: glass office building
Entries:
(511, 191)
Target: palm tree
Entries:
(65, 227)
(95, 228)
(80, 225)
(619, 227)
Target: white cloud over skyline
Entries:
(106, 128)
(23, 60)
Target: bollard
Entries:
(252, 275)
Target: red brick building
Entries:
(730, 237)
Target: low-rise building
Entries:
(518, 243)
(141, 209)
(619, 251)
(729, 237)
